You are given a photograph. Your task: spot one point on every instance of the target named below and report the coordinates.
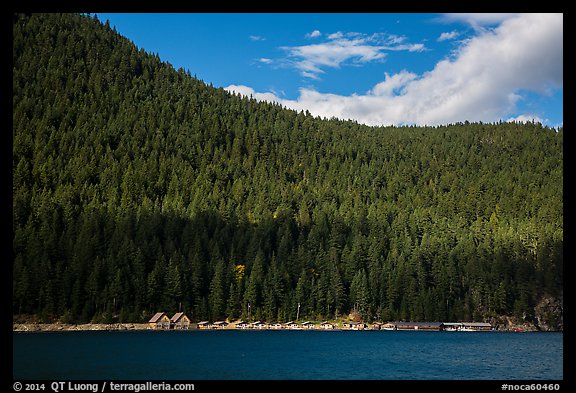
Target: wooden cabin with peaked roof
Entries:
(354, 325)
(219, 325)
(180, 321)
(327, 325)
(203, 325)
(293, 325)
(376, 326)
(388, 326)
(259, 325)
(308, 325)
(159, 321)
(243, 325)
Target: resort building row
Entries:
(181, 322)
(160, 320)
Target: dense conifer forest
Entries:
(139, 188)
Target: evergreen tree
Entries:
(138, 188)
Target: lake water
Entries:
(287, 355)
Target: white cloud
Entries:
(482, 18)
(342, 48)
(250, 92)
(482, 82)
(314, 34)
(526, 118)
(478, 21)
(310, 75)
(257, 38)
(393, 85)
(448, 36)
(265, 60)
(409, 47)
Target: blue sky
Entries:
(378, 68)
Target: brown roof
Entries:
(156, 317)
(177, 317)
(476, 324)
(419, 324)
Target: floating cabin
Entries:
(243, 325)
(437, 326)
(159, 321)
(476, 327)
(204, 325)
(327, 326)
(293, 325)
(452, 326)
(180, 321)
(308, 325)
(467, 326)
(260, 325)
(354, 325)
(276, 326)
(219, 325)
(419, 326)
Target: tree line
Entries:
(139, 188)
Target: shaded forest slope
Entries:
(138, 188)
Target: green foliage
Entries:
(138, 188)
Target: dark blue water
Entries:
(301, 355)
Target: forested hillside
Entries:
(138, 188)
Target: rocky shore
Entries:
(56, 327)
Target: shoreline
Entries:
(60, 327)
